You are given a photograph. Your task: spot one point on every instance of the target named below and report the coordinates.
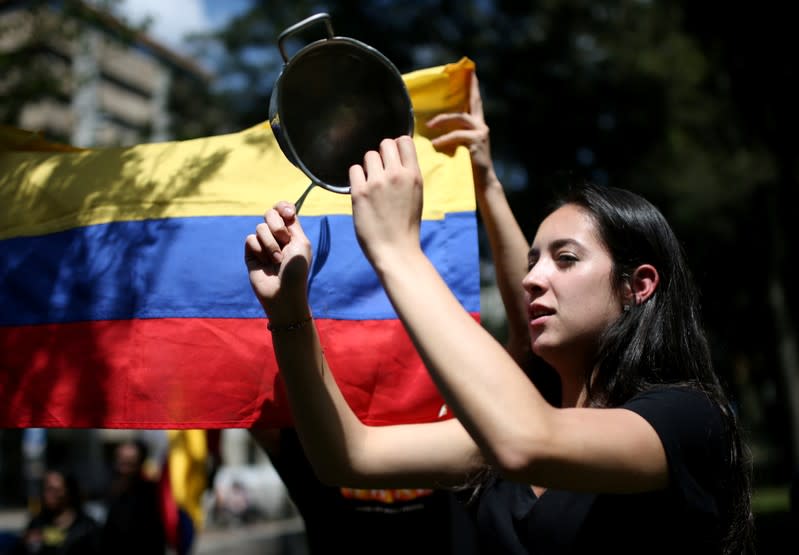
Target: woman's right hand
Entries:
(278, 256)
(387, 199)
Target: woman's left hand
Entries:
(387, 199)
(467, 129)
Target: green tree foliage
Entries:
(246, 59)
(751, 52)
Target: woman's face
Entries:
(54, 491)
(568, 291)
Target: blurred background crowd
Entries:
(90, 491)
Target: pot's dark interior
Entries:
(337, 101)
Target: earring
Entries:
(626, 308)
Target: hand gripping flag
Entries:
(124, 299)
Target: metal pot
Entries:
(333, 101)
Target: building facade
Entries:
(100, 82)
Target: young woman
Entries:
(643, 452)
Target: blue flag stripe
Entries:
(193, 268)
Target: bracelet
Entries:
(289, 327)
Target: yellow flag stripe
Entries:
(236, 174)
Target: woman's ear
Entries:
(643, 282)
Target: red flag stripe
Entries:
(197, 373)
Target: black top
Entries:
(133, 525)
(681, 519)
(81, 538)
(371, 521)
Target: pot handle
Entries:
(300, 26)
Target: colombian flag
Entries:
(124, 297)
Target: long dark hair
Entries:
(662, 340)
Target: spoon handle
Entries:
(300, 200)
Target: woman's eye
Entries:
(566, 258)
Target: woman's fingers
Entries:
(357, 176)
(475, 100)
(393, 154)
(459, 129)
(372, 164)
(455, 138)
(273, 234)
(286, 210)
(450, 120)
(389, 153)
(253, 251)
(407, 152)
(271, 250)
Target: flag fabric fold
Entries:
(125, 300)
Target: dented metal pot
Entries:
(333, 101)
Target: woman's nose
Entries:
(532, 282)
(535, 281)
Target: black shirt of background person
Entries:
(435, 523)
(133, 524)
(80, 538)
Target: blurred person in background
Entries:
(61, 527)
(133, 523)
